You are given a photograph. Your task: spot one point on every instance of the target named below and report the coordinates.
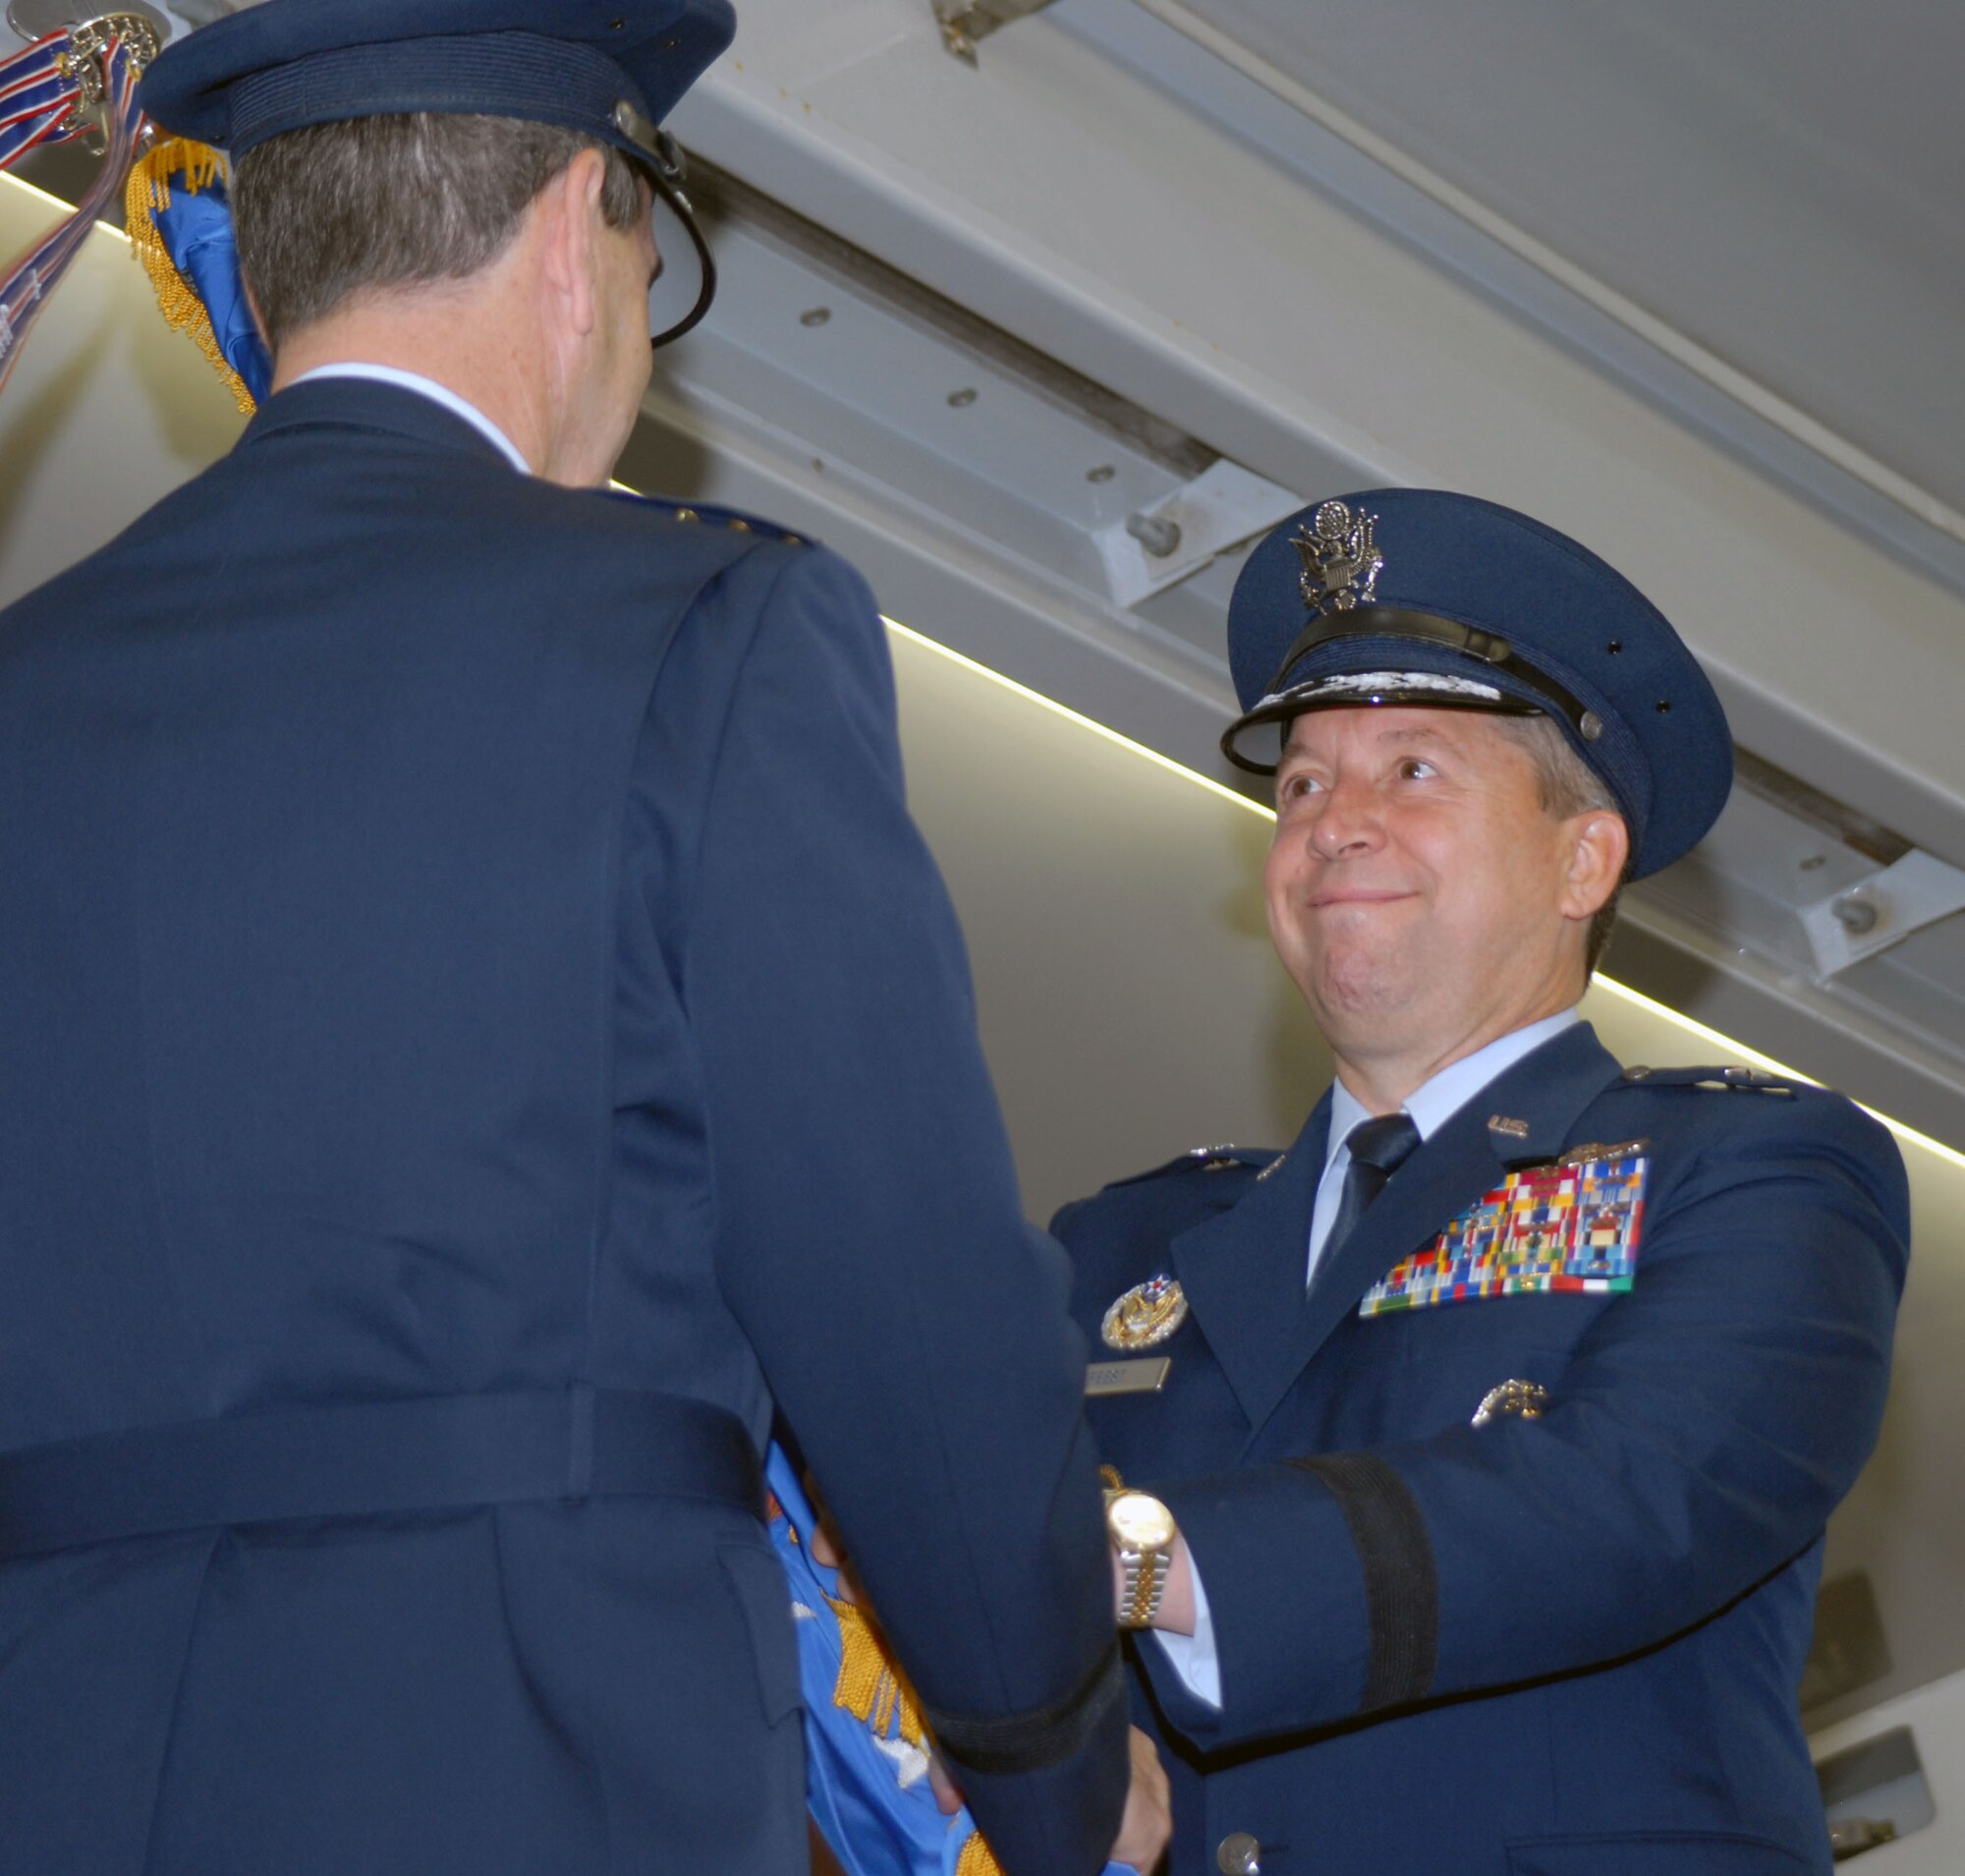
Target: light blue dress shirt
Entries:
(437, 394)
(1430, 1106)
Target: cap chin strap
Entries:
(663, 163)
(707, 293)
(1397, 622)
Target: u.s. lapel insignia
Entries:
(1572, 1227)
(1146, 1314)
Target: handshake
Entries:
(873, 1766)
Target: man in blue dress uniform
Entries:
(1480, 1509)
(478, 1034)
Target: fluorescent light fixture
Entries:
(53, 202)
(1072, 716)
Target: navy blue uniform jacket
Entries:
(1559, 1646)
(460, 938)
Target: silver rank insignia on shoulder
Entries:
(1214, 1158)
(1512, 1400)
(1148, 1313)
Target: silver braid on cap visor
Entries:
(1434, 690)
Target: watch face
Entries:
(1140, 1523)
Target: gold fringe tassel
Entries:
(977, 1858)
(871, 1688)
(149, 189)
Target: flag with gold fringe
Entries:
(180, 223)
(867, 1749)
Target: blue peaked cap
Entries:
(1422, 598)
(285, 65)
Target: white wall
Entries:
(1935, 1716)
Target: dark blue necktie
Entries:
(1378, 1148)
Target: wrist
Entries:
(1142, 1533)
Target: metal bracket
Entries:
(1163, 545)
(963, 22)
(35, 18)
(1877, 912)
(85, 62)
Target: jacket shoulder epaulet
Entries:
(695, 514)
(1209, 1159)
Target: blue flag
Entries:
(866, 1778)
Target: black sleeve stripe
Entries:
(1401, 1585)
(1010, 1743)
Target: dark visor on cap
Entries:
(1485, 653)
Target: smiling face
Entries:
(1421, 895)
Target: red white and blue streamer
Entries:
(40, 96)
(45, 98)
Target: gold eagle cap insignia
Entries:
(1146, 1314)
(1341, 561)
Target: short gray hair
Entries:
(1567, 786)
(376, 203)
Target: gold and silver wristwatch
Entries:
(1142, 1530)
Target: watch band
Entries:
(1146, 1581)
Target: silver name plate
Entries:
(1128, 1377)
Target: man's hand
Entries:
(1146, 1826)
(828, 1548)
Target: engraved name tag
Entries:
(1128, 1377)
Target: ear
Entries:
(258, 318)
(570, 221)
(1599, 845)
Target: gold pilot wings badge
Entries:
(1569, 1228)
(1146, 1314)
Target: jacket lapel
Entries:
(1242, 1272)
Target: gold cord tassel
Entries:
(149, 189)
(871, 1686)
(977, 1858)
(872, 1689)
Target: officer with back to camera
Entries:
(1481, 1506)
(480, 1033)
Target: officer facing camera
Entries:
(1478, 1448)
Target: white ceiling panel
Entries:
(1780, 184)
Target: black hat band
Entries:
(1398, 622)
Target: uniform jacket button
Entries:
(1239, 1854)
